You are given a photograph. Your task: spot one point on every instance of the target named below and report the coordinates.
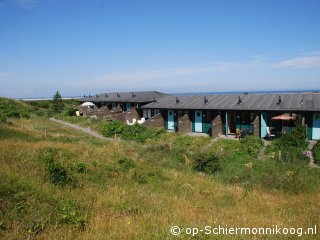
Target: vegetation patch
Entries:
(316, 153)
(70, 213)
(290, 146)
(207, 162)
(10, 108)
(135, 132)
(252, 144)
(9, 133)
(57, 174)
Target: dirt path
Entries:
(262, 154)
(310, 154)
(83, 129)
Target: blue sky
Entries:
(81, 47)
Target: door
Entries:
(316, 126)
(198, 121)
(170, 120)
(128, 106)
(263, 125)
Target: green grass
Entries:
(316, 153)
(127, 190)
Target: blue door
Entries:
(316, 126)
(128, 106)
(263, 125)
(170, 120)
(198, 121)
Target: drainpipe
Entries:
(226, 124)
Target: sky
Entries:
(94, 46)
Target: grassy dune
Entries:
(126, 190)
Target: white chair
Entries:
(270, 135)
(142, 120)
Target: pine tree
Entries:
(57, 103)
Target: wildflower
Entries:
(248, 165)
(289, 173)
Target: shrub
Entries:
(316, 153)
(296, 138)
(58, 175)
(113, 127)
(3, 118)
(135, 132)
(25, 115)
(126, 164)
(13, 113)
(70, 214)
(207, 162)
(252, 144)
(290, 145)
(80, 167)
(70, 111)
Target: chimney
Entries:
(106, 95)
(279, 100)
(133, 95)
(239, 100)
(118, 95)
(154, 100)
(177, 100)
(205, 100)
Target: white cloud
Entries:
(299, 62)
(145, 78)
(6, 74)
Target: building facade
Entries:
(224, 114)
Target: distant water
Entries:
(241, 92)
(47, 98)
(191, 93)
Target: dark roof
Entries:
(134, 97)
(261, 102)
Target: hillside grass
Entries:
(59, 183)
(125, 190)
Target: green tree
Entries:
(57, 102)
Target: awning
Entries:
(87, 104)
(283, 118)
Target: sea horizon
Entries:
(187, 93)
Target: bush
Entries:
(316, 153)
(80, 167)
(252, 144)
(113, 127)
(135, 132)
(3, 118)
(126, 164)
(70, 214)
(291, 145)
(70, 111)
(13, 113)
(58, 175)
(207, 162)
